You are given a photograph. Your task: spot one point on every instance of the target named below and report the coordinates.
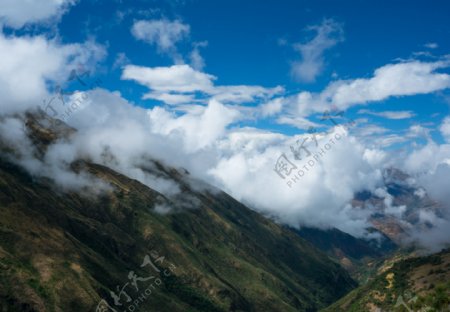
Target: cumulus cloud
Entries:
(436, 183)
(176, 78)
(392, 80)
(198, 130)
(312, 62)
(164, 34)
(129, 139)
(28, 63)
(320, 195)
(271, 108)
(399, 79)
(28, 66)
(436, 234)
(427, 158)
(418, 131)
(17, 13)
(430, 165)
(177, 84)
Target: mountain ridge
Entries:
(71, 250)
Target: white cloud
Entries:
(399, 79)
(272, 107)
(163, 33)
(54, 164)
(375, 157)
(178, 78)
(435, 183)
(389, 114)
(198, 130)
(388, 201)
(389, 140)
(380, 138)
(445, 129)
(17, 13)
(298, 122)
(170, 98)
(27, 63)
(318, 199)
(418, 131)
(392, 80)
(370, 130)
(249, 140)
(420, 193)
(243, 93)
(426, 158)
(178, 83)
(311, 65)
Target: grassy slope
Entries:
(358, 256)
(64, 252)
(426, 278)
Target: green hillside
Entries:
(413, 284)
(66, 252)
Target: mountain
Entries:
(412, 284)
(131, 248)
(358, 256)
(399, 208)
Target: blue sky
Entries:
(258, 43)
(251, 43)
